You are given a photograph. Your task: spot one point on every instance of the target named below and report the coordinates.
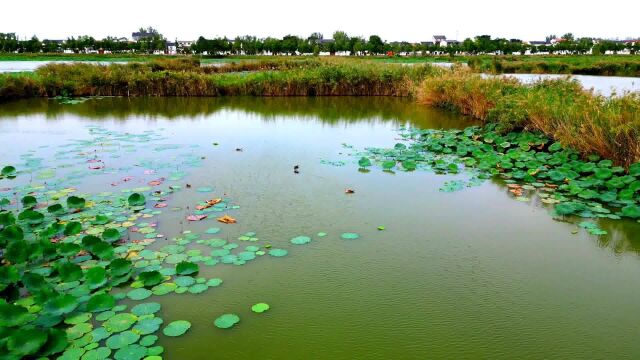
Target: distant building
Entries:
(440, 40)
(141, 35)
(183, 44)
(427, 43)
(172, 48)
(121, 39)
(537, 43)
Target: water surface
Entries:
(465, 275)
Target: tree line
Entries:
(340, 42)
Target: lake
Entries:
(462, 275)
(605, 85)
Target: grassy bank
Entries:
(561, 109)
(187, 78)
(610, 65)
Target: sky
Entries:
(397, 20)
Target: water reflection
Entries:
(325, 109)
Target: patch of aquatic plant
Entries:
(69, 259)
(529, 162)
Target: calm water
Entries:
(19, 66)
(605, 85)
(465, 275)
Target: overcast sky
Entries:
(393, 20)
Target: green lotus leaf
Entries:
(61, 305)
(72, 228)
(349, 236)
(9, 274)
(300, 240)
(148, 325)
(278, 252)
(23, 342)
(198, 288)
(260, 307)
(186, 268)
(603, 173)
(131, 352)
(214, 282)
(77, 318)
(226, 321)
(120, 322)
(12, 233)
(176, 328)
(555, 147)
(120, 340)
(34, 282)
(13, 315)
(111, 235)
(164, 288)
(31, 217)
(68, 249)
(101, 353)
(103, 250)
(55, 209)
(101, 302)
(185, 281)
(96, 277)
(409, 165)
(77, 331)
(72, 354)
(101, 219)
(139, 294)
(136, 199)
(631, 211)
(100, 334)
(29, 201)
(146, 308)
(364, 162)
(150, 278)
(6, 219)
(56, 342)
(75, 202)
(388, 165)
(634, 169)
(119, 267)
(69, 272)
(155, 351)
(148, 340)
(9, 172)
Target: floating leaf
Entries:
(301, 240)
(131, 352)
(136, 200)
(349, 236)
(226, 321)
(75, 202)
(176, 328)
(23, 342)
(186, 268)
(278, 252)
(118, 341)
(120, 322)
(146, 308)
(260, 307)
(139, 294)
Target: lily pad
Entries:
(349, 236)
(176, 328)
(260, 307)
(226, 321)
